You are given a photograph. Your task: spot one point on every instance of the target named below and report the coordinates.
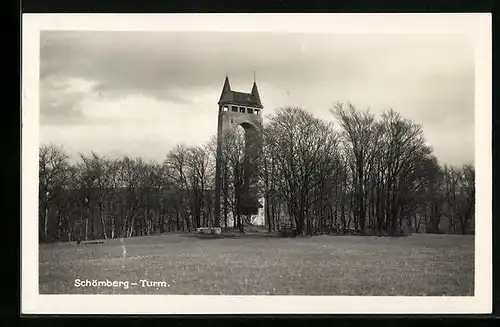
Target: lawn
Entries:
(258, 265)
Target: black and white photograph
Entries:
(256, 163)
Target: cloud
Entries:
(61, 99)
(172, 81)
(134, 125)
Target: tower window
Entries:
(234, 108)
(257, 112)
(242, 109)
(250, 111)
(225, 108)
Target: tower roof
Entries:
(229, 96)
(255, 92)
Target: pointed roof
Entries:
(226, 91)
(255, 93)
(229, 96)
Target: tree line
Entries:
(357, 173)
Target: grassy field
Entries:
(258, 265)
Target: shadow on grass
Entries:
(232, 235)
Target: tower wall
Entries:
(248, 114)
(231, 119)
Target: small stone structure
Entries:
(209, 230)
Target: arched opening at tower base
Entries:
(240, 201)
(250, 203)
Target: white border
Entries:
(475, 26)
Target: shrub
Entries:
(288, 232)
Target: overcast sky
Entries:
(140, 94)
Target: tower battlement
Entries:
(240, 102)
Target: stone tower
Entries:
(245, 110)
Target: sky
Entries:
(142, 93)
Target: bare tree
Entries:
(373, 175)
(176, 162)
(360, 136)
(53, 176)
(232, 157)
(432, 195)
(98, 178)
(302, 146)
(198, 174)
(460, 194)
